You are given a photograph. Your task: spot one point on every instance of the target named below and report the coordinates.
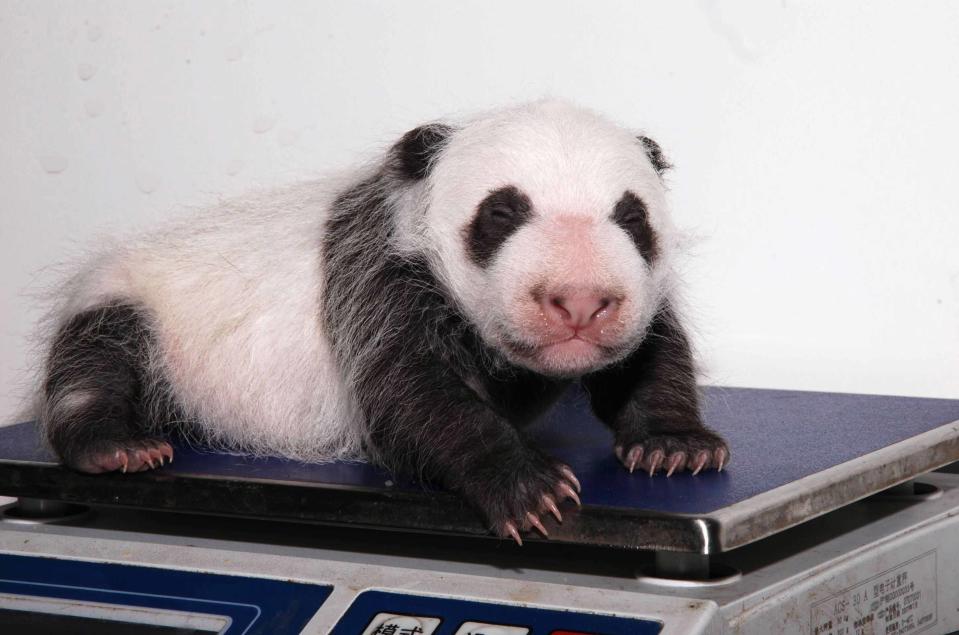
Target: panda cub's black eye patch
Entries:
(630, 213)
(500, 214)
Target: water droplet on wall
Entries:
(86, 71)
(93, 107)
(146, 182)
(94, 33)
(233, 167)
(53, 163)
(287, 137)
(263, 124)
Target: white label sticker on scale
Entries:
(899, 600)
(482, 628)
(392, 624)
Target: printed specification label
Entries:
(900, 600)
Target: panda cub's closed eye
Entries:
(500, 214)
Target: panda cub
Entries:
(419, 312)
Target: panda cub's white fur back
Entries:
(419, 312)
(234, 298)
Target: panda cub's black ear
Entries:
(655, 154)
(418, 147)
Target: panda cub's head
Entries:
(548, 226)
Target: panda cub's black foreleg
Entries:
(423, 419)
(650, 401)
(435, 426)
(93, 403)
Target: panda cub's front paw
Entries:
(522, 496)
(693, 450)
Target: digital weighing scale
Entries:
(817, 526)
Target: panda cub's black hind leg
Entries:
(94, 411)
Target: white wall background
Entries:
(815, 144)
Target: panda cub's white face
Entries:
(548, 224)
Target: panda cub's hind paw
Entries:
(691, 450)
(136, 456)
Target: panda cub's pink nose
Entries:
(580, 309)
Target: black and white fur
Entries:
(419, 312)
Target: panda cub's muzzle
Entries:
(569, 329)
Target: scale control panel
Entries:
(388, 613)
(51, 595)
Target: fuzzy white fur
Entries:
(235, 294)
(234, 297)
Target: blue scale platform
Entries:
(778, 439)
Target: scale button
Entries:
(393, 624)
(480, 628)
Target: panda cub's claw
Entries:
(655, 461)
(549, 505)
(694, 451)
(629, 459)
(566, 491)
(509, 530)
(567, 472)
(153, 454)
(127, 457)
(530, 510)
(720, 456)
(702, 457)
(675, 460)
(535, 522)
